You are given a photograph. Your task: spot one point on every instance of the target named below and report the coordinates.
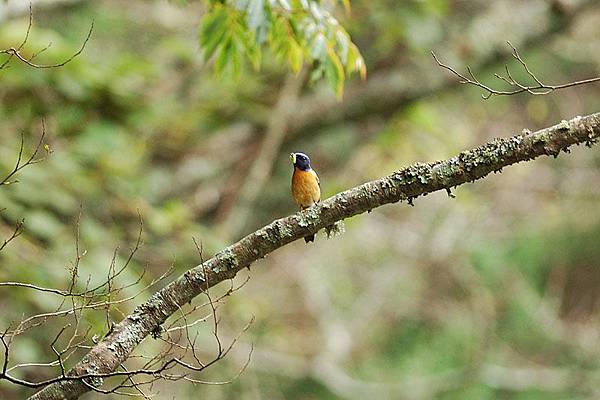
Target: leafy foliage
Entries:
(296, 31)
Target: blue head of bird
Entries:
(300, 161)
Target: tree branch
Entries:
(16, 51)
(403, 185)
(537, 88)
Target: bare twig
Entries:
(538, 88)
(73, 338)
(20, 164)
(16, 232)
(16, 52)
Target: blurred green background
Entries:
(491, 295)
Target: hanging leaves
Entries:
(234, 32)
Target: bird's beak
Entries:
(293, 158)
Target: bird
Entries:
(306, 188)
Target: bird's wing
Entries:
(318, 184)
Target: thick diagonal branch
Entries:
(403, 185)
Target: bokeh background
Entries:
(492, 294)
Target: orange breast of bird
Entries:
(305, 187)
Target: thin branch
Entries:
(19, 164)
(16, 52)
(59, 292)
(539, 88)
(16, 232)
(29, 25)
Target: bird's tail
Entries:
(309, 238)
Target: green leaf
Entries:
(295, 30)
(343, 43)
(225, 55)
(295, 56)
(213, 28)
(334, 72)
(355, 62)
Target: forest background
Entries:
(491, 294)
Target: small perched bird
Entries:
(306, 189)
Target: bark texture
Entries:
(403, 185)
